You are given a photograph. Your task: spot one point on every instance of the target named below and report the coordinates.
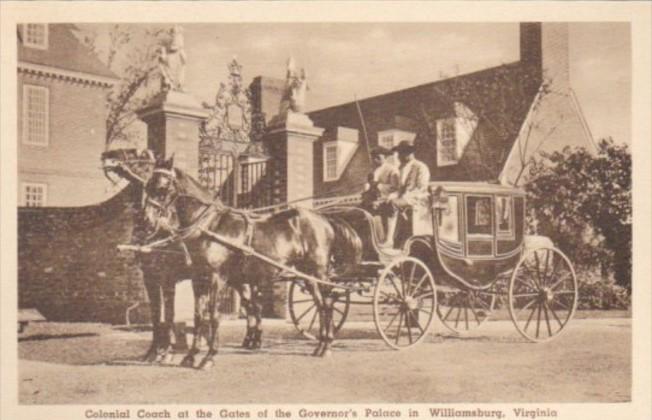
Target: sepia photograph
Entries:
(321, 218)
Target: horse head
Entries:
(161, 193)
(129, 164)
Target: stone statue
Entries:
(172, 61)
(296, 85)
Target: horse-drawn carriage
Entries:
(467, 248)
(463, 251)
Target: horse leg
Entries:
(214, 323)
(198, 327)
(246, 301)
(319, 303)
(165, 351)
(152, 285)
(329, 337)
(257, 308)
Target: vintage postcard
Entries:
(284, 210)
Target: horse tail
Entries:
(347, 245)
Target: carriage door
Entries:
(479, 226)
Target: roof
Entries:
(500, 96)
(64, 52)
(477, 187)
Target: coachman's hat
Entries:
(404, 147)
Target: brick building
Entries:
(62, 90)
(481, 126)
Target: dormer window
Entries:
(338, 148)
(454, 133)
(35, 35)
(392, 137)
(446, 142)
(330, 161)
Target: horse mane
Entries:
(191, 187)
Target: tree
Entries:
(131, 52)
(583, 203)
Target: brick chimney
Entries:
(544, 46)
(266, 93)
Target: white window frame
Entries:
(440, 137)
(26, 119)
(23, 192)
(330, 146)
(36, 45)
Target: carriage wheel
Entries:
(462, 311)
(404, 302)
(304, 314)
(542, 294)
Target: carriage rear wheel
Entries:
(462, 311)
(304, 314)
(404, 302)
(542, 294)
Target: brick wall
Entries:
(70, 164)
(68, 265)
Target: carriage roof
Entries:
(476, 187)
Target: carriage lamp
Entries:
(439, 202)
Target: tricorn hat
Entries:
(404, 147)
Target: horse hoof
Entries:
(317, 351)
(149, 357)
(327, 353)
(167, 358)
(188, 362)
(206, 365)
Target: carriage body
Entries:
(471, 233)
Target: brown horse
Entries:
(297, 238)
(161, 270)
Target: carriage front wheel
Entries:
(542, 294)
(404, 302)
(303, 310)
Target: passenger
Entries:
(383, 182)
(414, 177)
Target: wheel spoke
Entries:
(425, 295)
(424, 311)
(409, 328)
(565, 292)
(391, 322)
(536, 258)
(545, 271)
(457, 319)
(527, 285)
(312, 321)
(554, 314)
(525, 295)
(303, 301)
(545, 313)
(450, 309)
(341, 312)
(398, 330)
(409, 284)
(398, 292)
(305, 312)
(558, 282)
(527, 324)
(534, 283)
(538, 319)
(416, 321)
(416, 288)
(466, 317)
(524, 308)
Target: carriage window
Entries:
(504, 214)
(479, 215)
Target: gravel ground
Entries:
(92, 363)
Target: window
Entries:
(504, 215)
(449, 229)
(330, 162)
(34, 195)
(386, 141)
(479, 215)
(446, 145)
(35, 115)
(35, 35)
